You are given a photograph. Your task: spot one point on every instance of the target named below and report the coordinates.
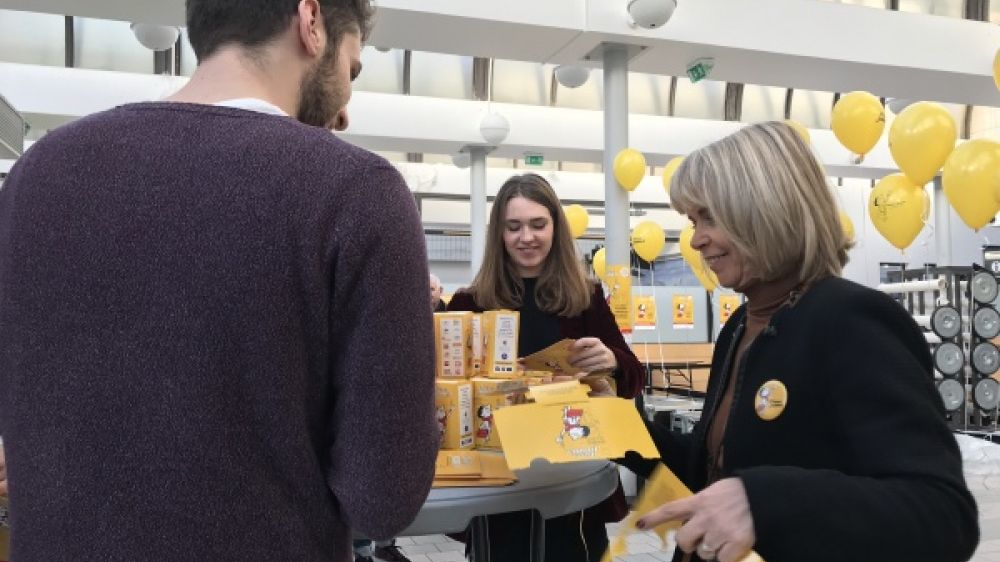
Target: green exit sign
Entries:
(534, 159)
(700, 69)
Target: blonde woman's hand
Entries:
(718, 524)
(590, 355)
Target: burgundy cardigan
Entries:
(597, 321)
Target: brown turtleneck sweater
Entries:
(763, 300)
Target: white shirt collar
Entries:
(253, 104)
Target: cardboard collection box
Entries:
(476, 346)
(453, 402)
(452, 334)
(467, 344)
(490, 395)
(500, 330)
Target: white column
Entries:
(615, 139)
(942, 225)
(477, 201)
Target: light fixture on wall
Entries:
(156, 37)
(494, 128)
(572, 76)
(650, 14)
(461, 160)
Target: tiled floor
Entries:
(987, 492)
(982, 474)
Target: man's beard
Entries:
(319, 101)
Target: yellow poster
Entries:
(727, 305)
(683, 312)
(620, 295)
(644, 312)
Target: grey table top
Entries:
(552, 489)
(667, 403)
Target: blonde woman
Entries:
(531, 265)
(822, 438)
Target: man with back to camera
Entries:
(210, 351)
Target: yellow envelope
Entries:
(553, 358)
(457, 464)
(662, 487)
(556, 358)
(462, 468)
(566, 425)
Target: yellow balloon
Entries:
(996, 69)
(693, 258)
(599, 265)
(577, 218)
(971, 180)
(648, 240)
(847, 225)
(920, 140)
(858, 121)
(898, 209)
(800, 129)
(668, 172)
(630, 168)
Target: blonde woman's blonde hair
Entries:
(562, 288)
(764, 189)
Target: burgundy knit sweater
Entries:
(215, 342)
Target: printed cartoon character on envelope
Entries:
(566, 425)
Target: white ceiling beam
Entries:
(813, 45)
(166, 12)
(398, 123)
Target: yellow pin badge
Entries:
(770, 400)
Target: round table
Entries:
(549, 490)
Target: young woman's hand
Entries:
(599, 385)
(590, 355)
